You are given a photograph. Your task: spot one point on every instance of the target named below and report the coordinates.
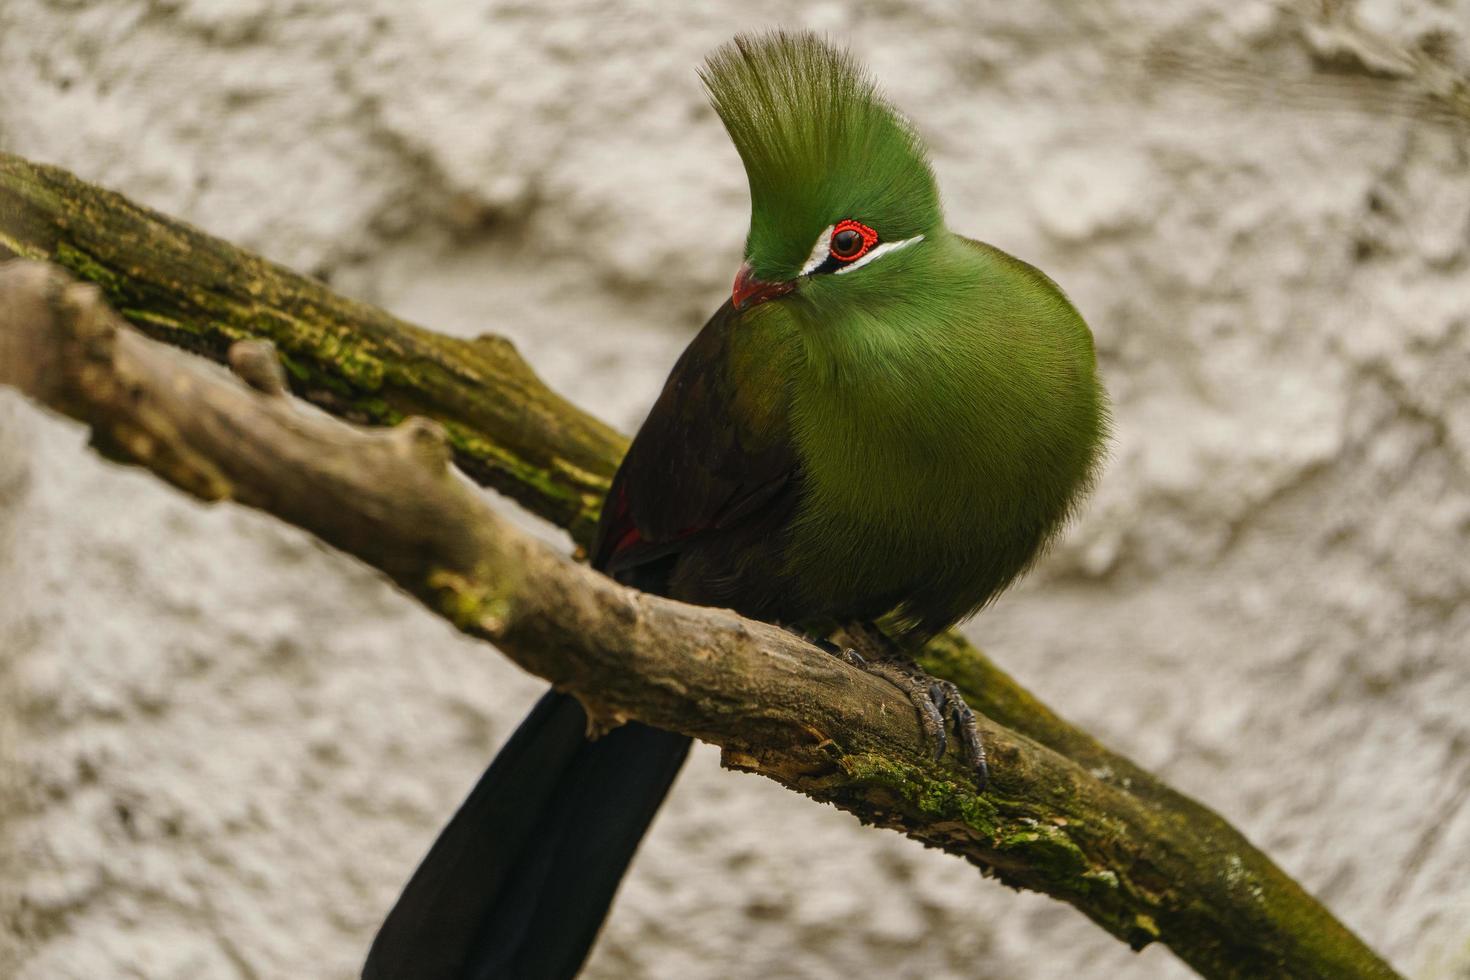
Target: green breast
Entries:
(944, 437)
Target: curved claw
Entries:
(968, 731)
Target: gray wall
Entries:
(228, 747)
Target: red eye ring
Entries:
(851, 248)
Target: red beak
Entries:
(750, 291)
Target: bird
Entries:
(880, 430)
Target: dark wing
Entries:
(713, 456)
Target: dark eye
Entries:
(851, 240)
(846, 244)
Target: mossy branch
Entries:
(508, 430)
(1064, 815)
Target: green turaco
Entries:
(874, 436)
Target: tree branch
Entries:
(201, 293)
(508, 430)
(1064, 815)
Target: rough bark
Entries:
(1064, 815)
(509, 431)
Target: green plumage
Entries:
(930, 417)
(948, 417)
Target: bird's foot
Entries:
(940, 706)
(938, 702)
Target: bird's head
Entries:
(839, 181)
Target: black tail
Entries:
(519, 882)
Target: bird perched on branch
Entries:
(873, 437)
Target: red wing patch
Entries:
(629, 539)
(625, 535)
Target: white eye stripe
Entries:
(883, 249)
(823, 249)
(819, 252)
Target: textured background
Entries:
(222, 748)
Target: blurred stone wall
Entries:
(224, 748)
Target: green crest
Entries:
(819, 144)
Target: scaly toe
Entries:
(968, 730)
